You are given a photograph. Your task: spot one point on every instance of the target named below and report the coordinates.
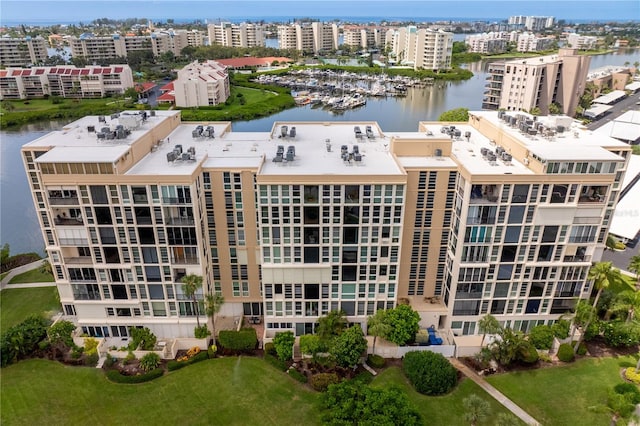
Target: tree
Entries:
(347, 348)
(377, 327)
(283, 342)
(512, 345)
(191, 284)
(555, 108)
(507, 419)
(353, 402)
(4, 252)
(212, 304)
(331, 325)
(60, 335)
(488, 324)
(602, 274)
(634, 266)
(458, 114)
(627, 303)
(476, 409)
(403, 321)
(611, 242)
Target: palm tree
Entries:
(377, 327)
(634, 266)
(476, 409)
(582, 313)
(190, 285)
(628, 303)
(331, 325)
(212, 304)
(603, 274)
(488, 324)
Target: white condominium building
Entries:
(22, 52)
(529, 42)
(532, 23)
(502, 215)
(66, 81)
(363, 37)
(493, 42)
(582, 42)
(201, 84)
(236, 35)
(314, 37)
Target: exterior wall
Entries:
(201, 85)
(22, 52)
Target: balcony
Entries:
(64, 201)
(484, 194)
(176, 200)
(74, 242)
(80, 260)
(65, 221)
(577, 258)
(186, 260)
(181, 221)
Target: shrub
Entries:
(621, 334)
(321, 381)
(243, 340)
(115, 376)
(528, 354)
(130, 357)
(276, 362)
(143, 338)
(561, 329)
(150, 361)
(348, 347)
(376, 361)
(630, 390)
(309, 344)
(284, 345)
(404, 322)
(544, 357)
(541, 337)
(76, 352)
(297, 375)
(429, 373)
(109, 361)
(212, 350)
(91, 360)
(582, 349)
(565, 353)
(270, 348)
(630, 374)
(90, 346)
(201, 332)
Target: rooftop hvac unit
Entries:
(290, 156)
(356, 149)
(560, 129)
(344, 149)
(171, 157)
(292, 132)
(101, 119)
(280, 149)
(369, 132)
(532, 131)
(357, 156)
(152, 113)
(186, 156)
(499, 150)
(91, 129)
(506, 157)
(191, 150)
(283, 131)
(484, 151)
(457, 133)
(467, 135)
(500, 114)
(444, 130)
(114, 116)
(438, 152)
(291, 149)
(278, 158)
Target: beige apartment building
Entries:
(314, 37)
(22, 52)
(236, 35)
(524, 84)
(66, 81)
(502, 215)
(363, 37)
(201, 84)
(421, 48)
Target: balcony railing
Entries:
(63, 201)
(176, 200)
(61, 221)
(181, 221)
(581, 258)
(78, 260)
(191, 260)
(74, 241)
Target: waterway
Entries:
(19, 225)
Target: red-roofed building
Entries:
(65, 81)
(252, 62)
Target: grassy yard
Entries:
(441, 410)
(16, 304)
(562, 395)
(224, 391)
(32, 276)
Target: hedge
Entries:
(243, 340)
(115, 376)
(297, 375)
(430, 373)
(177, 365)
(276, 362)
(376, 361)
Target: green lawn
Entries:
(224, 391)
(442, 410)
(46, 104)
(16, 304)
(562, 395)
(32, 276)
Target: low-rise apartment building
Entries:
(582, 42)
(22, 52)
(502, 215)
(66, 81)
(529, 42)
(525, 84)
(488, 43)
(201, 84)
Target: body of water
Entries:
(19, 225)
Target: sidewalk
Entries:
(21, 269)
(495, 393)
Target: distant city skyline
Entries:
(50, 12)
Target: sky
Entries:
(14, 12)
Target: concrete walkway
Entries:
(21, 269)
(495, 393)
